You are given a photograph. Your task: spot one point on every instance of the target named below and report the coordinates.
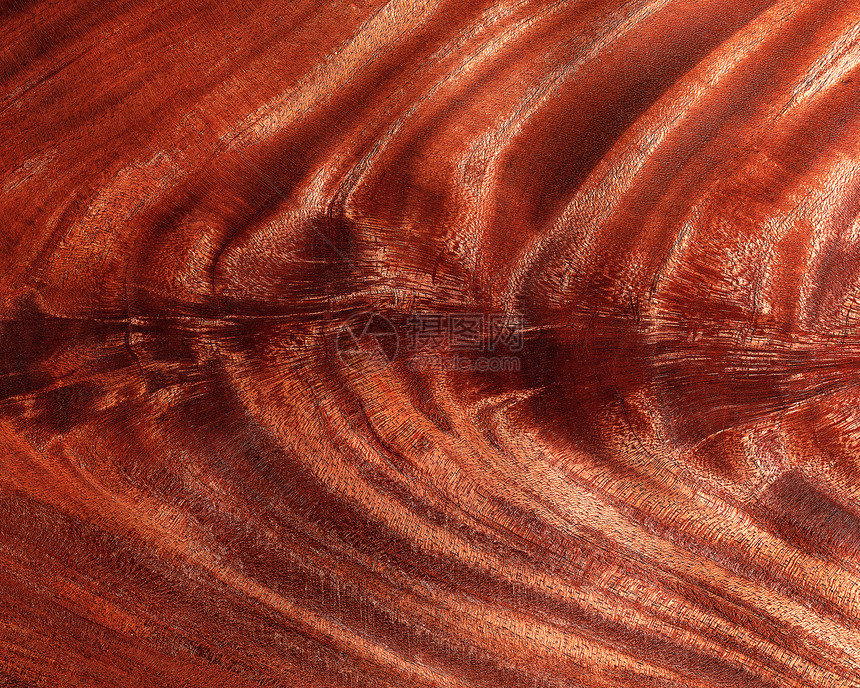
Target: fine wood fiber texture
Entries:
(430, 343)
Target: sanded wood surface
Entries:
(240, 444)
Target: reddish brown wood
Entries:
(213, 475)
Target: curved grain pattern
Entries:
(213, 472)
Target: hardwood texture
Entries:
(202, 485)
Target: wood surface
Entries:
(213, 473)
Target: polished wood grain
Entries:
(215, 472)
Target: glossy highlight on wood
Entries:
(225, 457)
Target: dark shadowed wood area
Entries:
(430, 343)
